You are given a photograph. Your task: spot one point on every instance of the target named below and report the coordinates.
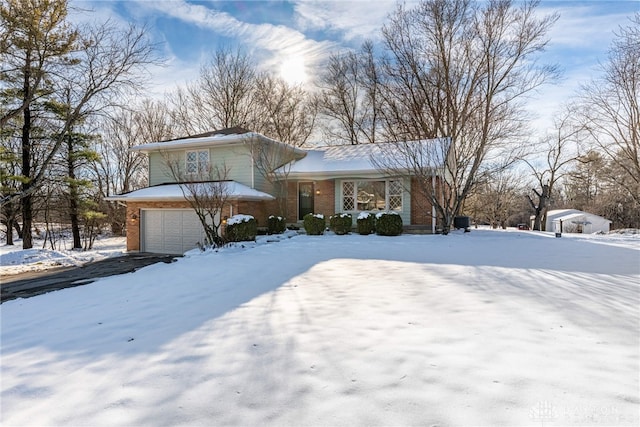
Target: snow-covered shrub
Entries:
(340, 223)
(366, 223)
(276, 224)
(241, 228)
(314, 224)
(388, 224)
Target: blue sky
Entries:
(293, 38)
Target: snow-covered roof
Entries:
(212, 139)
(169, 192)
(340, 160)
(570, 216)
(567, 214)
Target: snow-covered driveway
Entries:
(484, 328)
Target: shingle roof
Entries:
(236, 130)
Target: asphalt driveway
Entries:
(27, 285)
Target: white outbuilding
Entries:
(575, 221)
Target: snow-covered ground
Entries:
(484, 328)
(14, 260)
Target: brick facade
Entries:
(323, 199)
(292, 202)
(324, 203)
(259, 210)
(421, 208)
(420, 205)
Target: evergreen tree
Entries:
(36, 40)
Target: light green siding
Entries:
(158, 171)
(261, 183)
(236, 159)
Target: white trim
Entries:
(387, 185)
(208, 141)
(172, 192)
(253, 169)
(433, 205)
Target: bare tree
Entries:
(273, 160)
(497, 201)
(349, 98)
(222, 97)
(559, 150)
(286, 113)
(458, 69)
(119, 169)
(426, 162)
(9, 185)
(586, 181)
(207, 191)
(185, 119)
(611, 110)
(593, 185)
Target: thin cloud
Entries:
(353, 20)
(586, 26)
(279, 41)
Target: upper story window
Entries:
(197, 162)
(372, 195)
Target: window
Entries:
(395, 196)
(347, 195)
(197, 162)
(371, 195)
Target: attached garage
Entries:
(160, 219)
(170, 231)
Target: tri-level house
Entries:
(263, 177)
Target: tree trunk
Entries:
(73, 197)
(16, 225)
(540, 208)
(27, 220)
(27, 203)
(74, 218)
(9, 224)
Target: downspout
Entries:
(253, 164)
(433, 208)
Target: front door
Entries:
(305, 199)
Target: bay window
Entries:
(372, 195)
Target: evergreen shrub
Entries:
(241, 228)
(366, 223)
(388, 224)
(276, 224)
(314, 224)
(340, 223)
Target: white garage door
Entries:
(170, 231)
